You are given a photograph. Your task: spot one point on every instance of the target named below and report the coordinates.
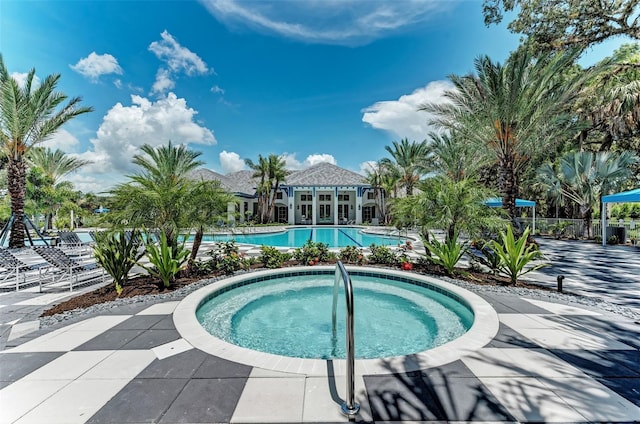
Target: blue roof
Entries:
(496, 202)
(625, 196)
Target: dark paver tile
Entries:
(165, 323)
(152, 338)
(14, 366)
(628, 388)
(206, 401)
(182, 365)
(509, 338)
(110, 340)
(451, 370)
(214, 367)
(140, 401)
(413, 397)
(139, 322)
(599, 364)
(507, 304)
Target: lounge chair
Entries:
(70, 240)
(68, 269)
(19, 273)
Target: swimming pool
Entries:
(482, 330)
(291, 316)
(296, 237)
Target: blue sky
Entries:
(315, 80)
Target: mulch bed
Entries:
(147, 285)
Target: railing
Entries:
(574, 228)
(349, 406)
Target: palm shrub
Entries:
(515, 254)
(272, 257)
(446, 254)
(117, 254)
(487, 257)
(167, 260)
(382, 255)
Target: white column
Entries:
(314, 205)
(335, 207)
(358, 209)
(292, 206)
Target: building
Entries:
(321, 194)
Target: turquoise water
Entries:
(291, 316)
(296, 237)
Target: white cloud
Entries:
(177, 57)
(125, 128)
(96, 65)
(231, 162)
(21, 79)
(347, 22)
(118, 83)
(401, 117)
(367, 167)
(62, 140)
(216, 89)
(293, 163)
(163, 82)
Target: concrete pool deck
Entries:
(549, 361)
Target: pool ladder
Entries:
(349, 406)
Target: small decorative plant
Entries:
(227, 258)
(382, 255)
(167, 260)
(117, 254)
(351, 255)
(271, 257)
(516, 254)
(446, 254)
(311, 253)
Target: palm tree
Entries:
(514, 111)
(206, 201)
(28, 116)
(449, 205)
(584, 177)
(270, 172)
(409, 158)
(451, 156)
(54, 164)
(157, 196)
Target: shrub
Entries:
(272, 257)
(515, 254)
(612, 239)
(559, 229)
(226, 257)
(167, 260)
(311, 253)
(117, 254)
(382, 255)
(351, 255)
(446, 254)
(487, 257)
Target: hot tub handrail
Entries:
(349, 406)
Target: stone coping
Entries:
(483, 330)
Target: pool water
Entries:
(291, 316)
(296, 237)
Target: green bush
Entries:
(487, 257)
(226, 257)
(167, 260)
(117, 254)
(351, 255)
(559, 229)
(382, 255)
(446, 254)
(271, 257)
(311, 253)
(516, 254)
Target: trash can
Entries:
(619, 232)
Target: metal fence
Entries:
(574, 228)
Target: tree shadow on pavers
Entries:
(445, 393)
(623, 332)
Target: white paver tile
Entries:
(321, 406)
(271, 400)
(572, 339)
(172, 348)
(165, 308)
(45, 299)
(69, 366)
(593, 400)
(491, 362)
(20, 397)
(539, 362)
(72, 336)
(528, 399)
(560, 309)
(75, 403)
(120, 364)
(22, 329)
